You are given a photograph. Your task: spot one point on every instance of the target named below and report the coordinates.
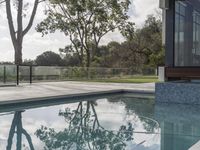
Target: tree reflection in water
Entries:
(84, 131)
(16, 127)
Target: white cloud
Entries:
(5, 39)
(2, 27)
(34, 44)
(140, 9)
(112, 36)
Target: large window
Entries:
(187, 33)
(179, 33)
(196, 38)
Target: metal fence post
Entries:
(17, 74)
(31, 74)
(4, 74)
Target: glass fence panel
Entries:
(11, 74)
(7, 74)
(52, 73)
(46, 73)
(71, 73)
(24, 74)
(1, 74)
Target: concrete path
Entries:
(48, 89)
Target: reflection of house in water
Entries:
(180, 125)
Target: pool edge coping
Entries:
(77, 95)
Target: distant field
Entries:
(135, 79)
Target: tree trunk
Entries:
(18, 53)
(18, 34)
(88, 64)
(88, 60)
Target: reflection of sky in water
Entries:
(113, 113)
(111, 116)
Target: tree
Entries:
(115, 52)
(85, 22)
(142, 48)
(109, 55)
(18, 34)
(28, 62)
(117, 55)
(84, 131)
(17, 128)
(147, 41)
(157, 59)
(71, 60)
(6, 63)
(49, 58)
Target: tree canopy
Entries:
(84, 131)
(49, 58)
(147, 42)
(86, 22)
(141, 49)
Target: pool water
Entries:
(107, 122)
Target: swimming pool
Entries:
(105, 122)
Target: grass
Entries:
(135, 79)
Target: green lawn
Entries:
(135, 79)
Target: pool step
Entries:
(195, 146)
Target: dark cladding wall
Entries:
(168, 20)
(182, 33)
(187, 33)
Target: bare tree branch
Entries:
(1, 2)
(19, 21)
(10, 22)
(32, 17)
(18, 33)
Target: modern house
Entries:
(181, 38)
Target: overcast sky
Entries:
(34, 44)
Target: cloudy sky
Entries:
(34, 44)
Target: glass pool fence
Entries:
(12, 74)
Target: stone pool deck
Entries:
(37, 91)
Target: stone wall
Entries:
(175, 92)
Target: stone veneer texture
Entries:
(183, 93)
